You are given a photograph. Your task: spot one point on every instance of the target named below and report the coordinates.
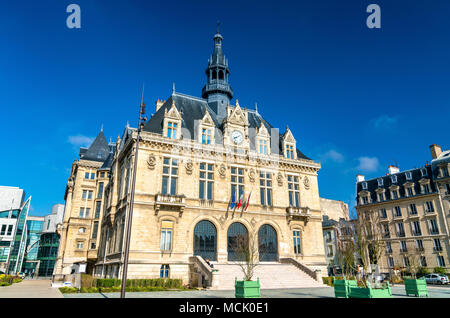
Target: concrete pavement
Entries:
(30, 288)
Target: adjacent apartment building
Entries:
(84, 201)
(413, 211)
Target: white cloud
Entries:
(368, 164)
(385, 122)
(80, 140)
(333, 155)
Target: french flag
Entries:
(247, 203)
(240, 200)
(233, 202)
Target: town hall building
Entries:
(209, 170)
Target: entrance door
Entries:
(236, 231)
(268, 244)
(205, 240)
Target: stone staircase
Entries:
(271, 276)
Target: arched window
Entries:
(297, 241)
(221, 75)
(268, 244)
(214, 75)
(237, 234)
(205, 240)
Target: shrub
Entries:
(328, 281)
(16, 280)
(88, 281)
(68, 290)
(4, 284)
(439, 270)
(422, 271)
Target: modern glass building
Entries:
(33, 237)
(18, 245)
(48, 251)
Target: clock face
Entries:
(237, 137)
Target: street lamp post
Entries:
(141, 123)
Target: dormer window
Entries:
(289, 151)
(206, 136)
(394, 194)
(99, 155)
(364, 185)
(172, 130)
(380, 182)
(423, 171)
(408, 175)
(263, 146)
(380, 196)
(425, 188)
(444, 172)
(365, 199)
(410, 191)
(394, 179)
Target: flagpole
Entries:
(142, 120)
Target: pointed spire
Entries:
(101, 129)
(218, 24)
(173, 88)
(256, 107)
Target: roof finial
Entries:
(128, 124)
(256, 106)
(101, 128)
(173, 88)
(218, 24)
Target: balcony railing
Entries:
(386, 235)
(437, 248)
(170, 202)
(403, 250)
(416, 233)
(420, 249)
(400, 234)
(434, 231)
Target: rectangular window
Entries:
(433, 226)
(388, 247)
(263, 146)
(380, 182)
(100, 190)
(289, 151)
(92, 175)
(84, 213)
(265, 182)
(10, 228)
(97, 209)
(380, 197)
(412, 209)
(391, 262)
(80, 245)
(419, 245)
(206, 181)
(437, 247)
(429, 206)
(423, 261)
(386, 233)
(95, 230)
(164, 271)
(172, 130)
(206, 136)
(294, 191)
(403, 247)
(400, 229)
(86, 175)
(416, 228)
(3, 231)
(166, 235)
(237, 182)
(405, 261)
(170, 173)
(102, 174)
(440, 261)
(297, 242)
(395, 194)
(447, 188)
(398, 211)
(410, 191)
(425, 188)
(383, 213)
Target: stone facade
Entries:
(193, 153)
(82, 215)
(412, 214)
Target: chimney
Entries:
(393, 169)
(159, 103)
(359, 177)
(435, 151)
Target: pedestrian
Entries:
(207, 262)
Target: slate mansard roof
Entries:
(99, 151)
(416, 175)
(193, 109)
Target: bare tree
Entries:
(246, 249)
(345, 247)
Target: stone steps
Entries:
(271, 276)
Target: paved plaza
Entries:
(43, 289)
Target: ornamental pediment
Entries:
(172, 112)
(288, 136)
(262, 130)
(237, 116)
(207, 120)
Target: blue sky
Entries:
(356, 99)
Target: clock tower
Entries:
(217, 90)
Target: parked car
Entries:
(436, 279)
